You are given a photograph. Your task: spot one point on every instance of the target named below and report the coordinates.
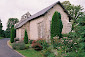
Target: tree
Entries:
(78, 37)
(11, 21)
(1, 31)
(12, 34)
(74, 11)
(26, 38)
(56, 25)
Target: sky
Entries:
(16, 8)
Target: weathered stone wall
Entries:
(32, 26)
(64, 17)
(20, 32)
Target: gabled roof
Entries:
(40, 13)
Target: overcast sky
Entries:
(16, 8)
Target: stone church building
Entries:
(38, 25)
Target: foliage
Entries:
(30, 53)
(26, 38)
(76, 54)
(81, 21)
(11, 21)
(48, 52)
(1, 31)
(75, 11)
(40, 43)
(65, 35)
(1, 37)
(7, 33)
(16, 39)
(30, 41)
(12, 34)
(51, 55)
(19, 46)
(37, 46)
(43, 43)
(74, 43)
(56, 25)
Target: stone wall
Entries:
(32, 26)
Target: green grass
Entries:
(1, 37)
(65, 35)
(30, 53)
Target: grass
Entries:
(30, 53)
(1, 37)
(65, 35)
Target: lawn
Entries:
(30, 53)
(1, 37)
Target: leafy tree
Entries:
(11, 21)
(74, 11)
(12, 34)
(1, 31)
(26, 38)
(7, 33)
(78, 39)
(56, 25)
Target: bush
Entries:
(48, 52)
(30, 41)
(51, 55)
(16, 39)
(43, 43)
(19, 46)
(12, 34)
(75, 54)
(26, 38)
(56, 26)
(37, 46)
(65, 35)
(1, 37)
(40, 44)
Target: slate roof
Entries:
(40, 13)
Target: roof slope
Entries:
(40, 13)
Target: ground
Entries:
(6, 51)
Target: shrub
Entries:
(1, 37)
(26, 38)
(30, 41)
(12, 34)
(16, 39)
(65, 35)
(48, 52)
(56, 26)
(51, 55)
(19, 46)
(40, 44)
(37, 46)
(43, 43)
(27, 46)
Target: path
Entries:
(6, 51)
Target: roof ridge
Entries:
(40, 13)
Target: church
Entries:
(38, 25)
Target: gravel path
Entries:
(6, 51)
